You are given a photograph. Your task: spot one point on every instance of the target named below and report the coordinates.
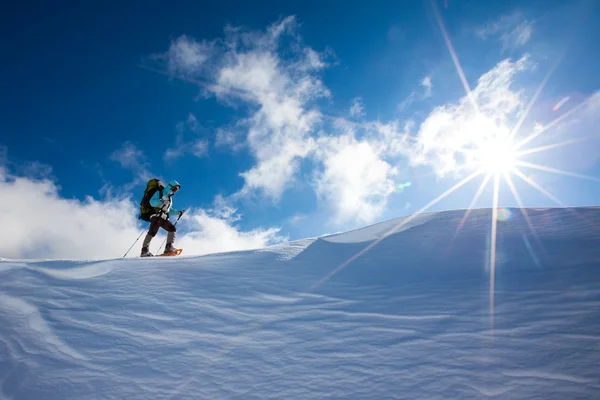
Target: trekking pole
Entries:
(133, 244)
(163, 243)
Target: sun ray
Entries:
(556, 171)
(538, 187)
(517, 126)
(551, 124)
(552, 146)
(459, 69)
(492, 261)
(394, 229)
(523, 211)
(513, 189)
(469, 209)
(552, 197)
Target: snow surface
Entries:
(408, 319)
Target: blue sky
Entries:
(285, 121)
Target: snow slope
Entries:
(408, 319)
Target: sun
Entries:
(497, 156)
(487, 146)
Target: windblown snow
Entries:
(409, 318)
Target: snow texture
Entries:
(408, 319)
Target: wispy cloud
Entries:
(357, 109)
(513, 31)
(187, 56)
(134, 160)
(426, 83)
(29, 169)
(129, 156)
(297, 218)
(425, 91)
(197, 146)
(230, 137)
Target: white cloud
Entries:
(247, 67)
(426, 83)
(313, 60)
(187, 55)
(213, 231)
(512, 30)
(415, 95)
(133, 159)
(519, 36)
(357, 109)
(407, 101)
(355, 182)
(279, 133)
(452, 128)
(42, 224)
(173, 153)
(129, 156)
(228, 137)
(197, 147)
(297, 219)
(200, 148)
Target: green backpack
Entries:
(146, 210)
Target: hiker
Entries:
(156, 207)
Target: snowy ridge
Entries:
(379, 230)
(408, 319)
(287, 251)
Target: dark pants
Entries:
(157, 222)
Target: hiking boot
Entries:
(146, 252)
(169, 248)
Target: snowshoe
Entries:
(174, 252)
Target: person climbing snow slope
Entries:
(162, 208)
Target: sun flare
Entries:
(497, 156)
(487, 146)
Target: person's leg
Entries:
(154, 225)
(170, 228)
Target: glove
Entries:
(181, 213)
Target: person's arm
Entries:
(174, 212)
(155, 200)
